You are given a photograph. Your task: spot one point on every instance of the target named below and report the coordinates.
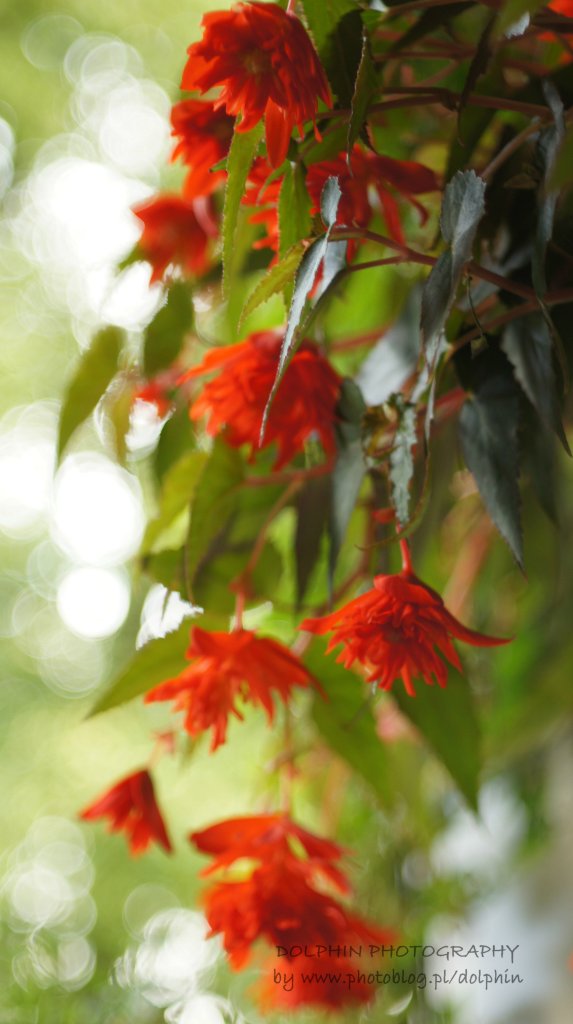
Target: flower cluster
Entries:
(283, 899)
(276, 883)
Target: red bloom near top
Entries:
(236, 397)
(370, 171)
(278, 901)
(266, 66)
(204, 135)
(399, 628)
(178, 232)
(131, 805)
(224, 667)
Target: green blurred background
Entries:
(87, 934)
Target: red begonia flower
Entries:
(266, 66)
(278, 901)
(263, 195)
(237, 396)
(131, 805)
(204, 133)
(224, 667)
(176, 232)
(368, 172)
(398, 629)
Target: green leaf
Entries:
(365, 88)
(305, 279)
(529, 348)
(488, 426)
(293, 209)
(157, 660)
(118, 405)
(164, 336)
(94, 372)
(241, 155)
(178, 487)
(345, 719)
(176, 439)
(276, 279)
(447, 720)
(322, 16)
(462, 209)
(340, 54)
(217, 498)
(312, 507)
(402, 459)
(349, 469)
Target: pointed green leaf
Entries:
(448, 721)
(276, 279)
(529, 348)
(241, 155)
(305, 279)
(176, 439)
(93, 374)
(164, 336)
(365, 88)
(322, 16)
(488, 425)
(157, 660)
(462, 209)
(293, 209)
(118, 409)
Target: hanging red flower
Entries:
(225, 667)
(370, 174)
(266, 66)
(131, 805)
(278, 901)
(398, 629)
(176, 232)
(237, 396)
(204, 133)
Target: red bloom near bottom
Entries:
(279, 901)
(131, 805)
